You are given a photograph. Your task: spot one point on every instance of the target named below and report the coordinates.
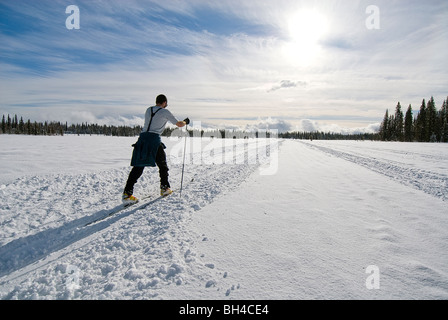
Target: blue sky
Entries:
(291, 64)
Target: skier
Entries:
(149, 149)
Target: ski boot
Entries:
(165, 191)
(129, 198)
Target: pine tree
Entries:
(28, 127)
(21, 126)
(398, 123)
(445, 108)
(391, 129)
(408, 124)
(444, 122)
(439, 123)
(384, 128)
(15, 123)
(431, 117)
(3, 124)
(420, 127)
(8, 125)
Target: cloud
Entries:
(338, 42)
(308, 125)
(82, 117)
(269, 124)
(284, 84)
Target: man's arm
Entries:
(173, 120)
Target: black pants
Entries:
(136, 172)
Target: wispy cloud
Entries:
(284, 84)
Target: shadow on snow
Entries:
(24, 251)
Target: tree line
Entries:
(244, 134)
(12, 125)
(321, 135)
(430, 124)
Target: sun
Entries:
(306, 28)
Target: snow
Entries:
(258, 219)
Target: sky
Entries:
(332, 65)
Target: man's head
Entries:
(162, 101)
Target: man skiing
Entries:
(149, 149)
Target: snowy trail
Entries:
(24, 251)
(432, 182)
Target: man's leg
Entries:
(135, 173)
(163, 167)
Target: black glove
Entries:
(187, 121)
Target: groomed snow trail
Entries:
(413, 168)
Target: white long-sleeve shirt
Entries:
(159, 121)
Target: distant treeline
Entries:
(12, 125)
(429, 125)
(241, 134)
(320, 135)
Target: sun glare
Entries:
(306, 28)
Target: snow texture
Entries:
(306, 222)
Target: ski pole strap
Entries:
(152, 115)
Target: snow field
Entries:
(257, 220)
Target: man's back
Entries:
(160, 117)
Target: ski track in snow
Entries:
(46, 236)
(435, 184)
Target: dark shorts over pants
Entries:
(136, 172)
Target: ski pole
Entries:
(183, 164)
